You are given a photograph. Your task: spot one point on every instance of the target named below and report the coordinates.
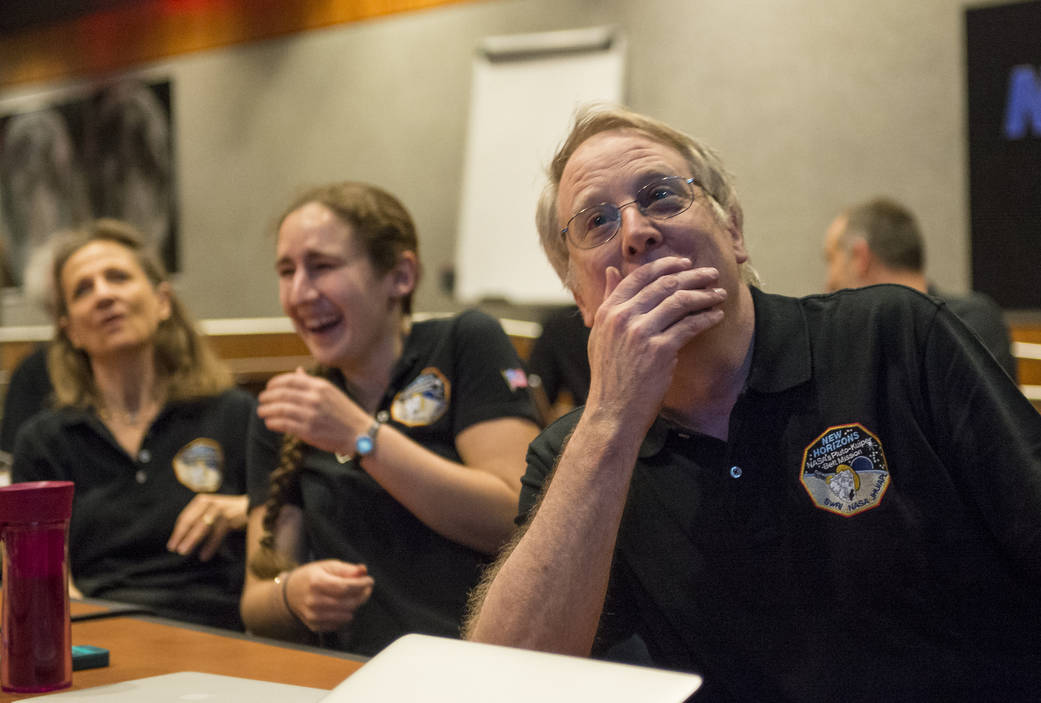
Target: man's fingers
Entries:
(643, 276)
(612, 277)
(666, 300)
(675, 286)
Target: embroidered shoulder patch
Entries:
(199, 465)
(423, 401)
(844, 470)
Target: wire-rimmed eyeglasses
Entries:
(659, 200)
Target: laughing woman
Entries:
(378, 486)
(149, 428)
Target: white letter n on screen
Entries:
(1023, 107)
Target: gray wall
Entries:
(812, 103)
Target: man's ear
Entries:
(587, 314)
(861, 259)
(737, 236)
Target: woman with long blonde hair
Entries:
(149, 427)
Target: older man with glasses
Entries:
(835, 497)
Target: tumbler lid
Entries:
(36, 501)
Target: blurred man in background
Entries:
(879, 242)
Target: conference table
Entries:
(141, 645)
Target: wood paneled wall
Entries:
(132, 35)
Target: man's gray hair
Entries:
(706, 168)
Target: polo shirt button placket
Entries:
(144, 456)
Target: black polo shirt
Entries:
(983, 316)
(559, 357)
(28, 392)
(870, 531)
(124, 507)
(452, 374)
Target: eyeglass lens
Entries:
(659, 200)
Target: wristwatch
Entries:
(365, 443)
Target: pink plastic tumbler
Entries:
(35, 650)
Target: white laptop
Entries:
(185, 686)
(439, 670)
(423, 668)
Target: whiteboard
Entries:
(525, 91)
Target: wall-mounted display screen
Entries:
(1004, 90)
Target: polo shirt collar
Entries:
(780, 357)
(399, 372)
(406, 362)
(70, 415)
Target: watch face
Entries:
(363, 445)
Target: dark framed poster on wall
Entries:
(100, 151)
(1003, 52)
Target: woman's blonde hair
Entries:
(186, 366)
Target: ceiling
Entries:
(16, 15)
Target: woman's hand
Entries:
(312, 409)
(323, 595)
(205, 522)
